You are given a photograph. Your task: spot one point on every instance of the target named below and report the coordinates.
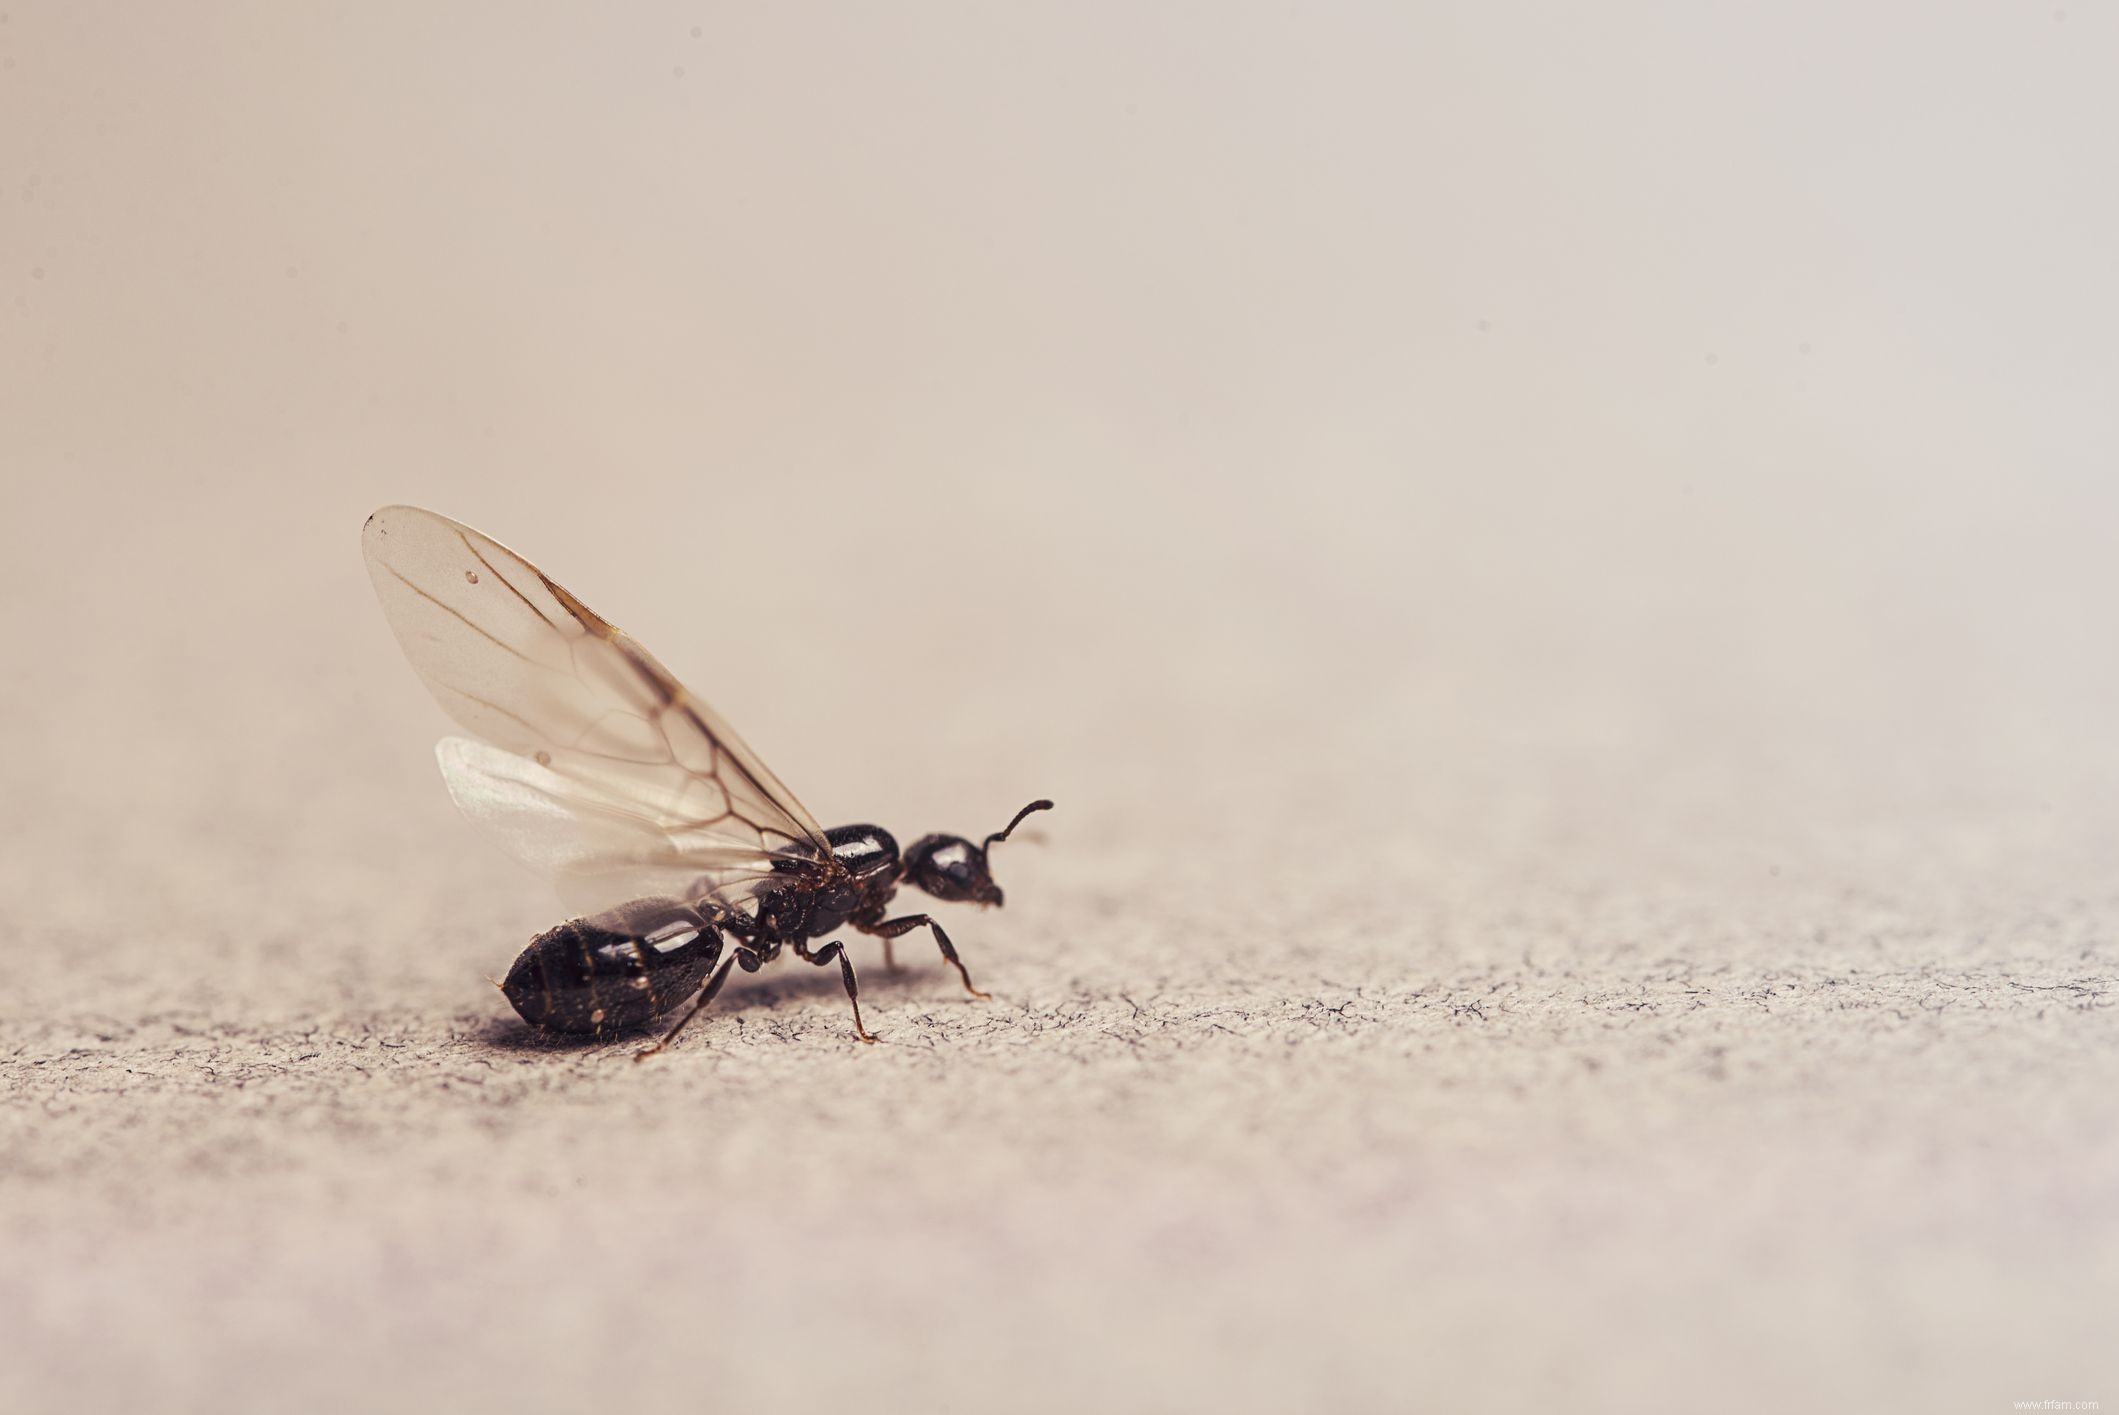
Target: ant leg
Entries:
(829, 952)
(890, 959)
(891, 928)
(706, 995)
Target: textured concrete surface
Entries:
(1580, 708)
(1311, 1079)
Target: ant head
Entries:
(951, 867)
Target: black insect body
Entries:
(586, 977)
(599, 769)
(582, 978)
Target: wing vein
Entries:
(466, 539)
(471, 624)
(496, 707)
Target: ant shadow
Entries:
(744, 993)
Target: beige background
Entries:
(1557, 561)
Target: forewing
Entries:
(618, 769)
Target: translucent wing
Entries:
(596, 766)
(596, 845)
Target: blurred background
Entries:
(1513, 482)
(1384, 404)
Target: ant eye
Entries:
(956, 864)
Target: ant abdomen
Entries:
(581, 977)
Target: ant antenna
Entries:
(1001, 835)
